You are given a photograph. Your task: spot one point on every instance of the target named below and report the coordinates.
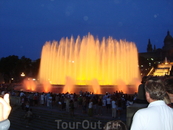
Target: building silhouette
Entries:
(159, 54)
(153, 56)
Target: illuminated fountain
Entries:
(30, 85)
(89, 62)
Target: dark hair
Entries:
(169, 85)
(115, 125)
(156, 89)
(144, 79)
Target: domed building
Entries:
(168, 47)
(159, 54)
(154, 57)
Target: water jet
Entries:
(90, 62)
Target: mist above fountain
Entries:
(31, 85)
(88, 61)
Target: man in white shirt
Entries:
(157, 116)
(42, 98)
(108, 103)
(90, 108)
(114, 110)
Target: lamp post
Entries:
(22, 74)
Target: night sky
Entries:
(25, 25)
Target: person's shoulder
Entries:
(141, 85)
(142, 111)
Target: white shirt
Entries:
(90, 105)
(113, 104)
(22, 94)
(108, 101)
(42, 97)
(50, 99)
(71, 96)
(157, 116)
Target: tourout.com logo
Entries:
(85, 124)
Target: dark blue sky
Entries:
(25, 25)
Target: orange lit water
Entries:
(91, 62)
(31, 85)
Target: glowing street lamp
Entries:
(22, 74)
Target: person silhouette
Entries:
(158, 115)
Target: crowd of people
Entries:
(156, 91)
(91, 104)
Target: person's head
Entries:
(115, 125)
(169, 85)
(155, 90)
(144, 79)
